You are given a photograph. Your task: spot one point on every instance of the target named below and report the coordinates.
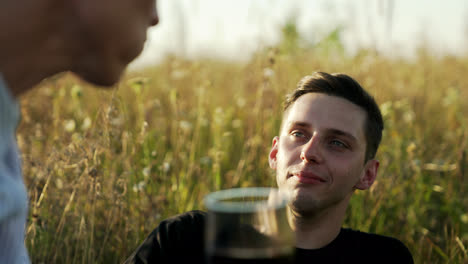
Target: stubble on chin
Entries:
(303, 204)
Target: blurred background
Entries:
(197, 112)
(235, 30)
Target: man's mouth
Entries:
(308, 177)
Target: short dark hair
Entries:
(341, 85)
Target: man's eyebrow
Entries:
(342, 133)
(333, 131)
(298, 124)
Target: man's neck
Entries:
(34, 50)
(319, 229)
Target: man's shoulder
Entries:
(190, 217)
(177, 234)
(370, 238)
(182, 226)
(378, 246)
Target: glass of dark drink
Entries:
(248, 225)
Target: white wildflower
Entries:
(69, 125)
(86, 123)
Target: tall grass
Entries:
(103, 168)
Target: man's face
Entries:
(112, 34)
(319, 154)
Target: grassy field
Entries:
(104, 167)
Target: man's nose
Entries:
(154, 20)
(311, 152)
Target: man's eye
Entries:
(338, 143)
(298, 134)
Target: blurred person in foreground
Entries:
(325, 150)
(95, 39)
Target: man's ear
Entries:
(368, 175)
(273, 153)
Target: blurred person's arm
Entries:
(13, 196)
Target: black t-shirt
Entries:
(180, 239)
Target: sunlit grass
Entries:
(104, 167)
